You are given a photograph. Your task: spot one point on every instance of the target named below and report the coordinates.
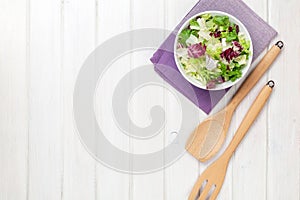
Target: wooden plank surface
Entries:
(79, 40)
(146, 14)
(44, 44)
(110, 183)
(13, 100)
(283, 164)
(45, 139)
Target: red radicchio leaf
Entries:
(179, 46)
(217, 34)
(238, 45)
(196, 50)
(237, 29)
(220, 79)
(211, 84)
(229, 54)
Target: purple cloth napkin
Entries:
(163, 59)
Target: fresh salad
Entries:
(213, 50)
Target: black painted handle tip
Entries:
(280, 44)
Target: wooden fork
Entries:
(214, 175)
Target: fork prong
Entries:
(205, 192)
(196, 188)
(215, 193)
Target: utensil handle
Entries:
(256, 74)
(250, 117)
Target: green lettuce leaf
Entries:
(214, 48)
(184, 35)
(206, 16)
(221, 20)
(245, 44)
(194, 24)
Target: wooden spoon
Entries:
(208, 137)
(214, 175)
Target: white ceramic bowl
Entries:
(225, 84)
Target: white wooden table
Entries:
(43, 45)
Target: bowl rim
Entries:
(229, 83)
